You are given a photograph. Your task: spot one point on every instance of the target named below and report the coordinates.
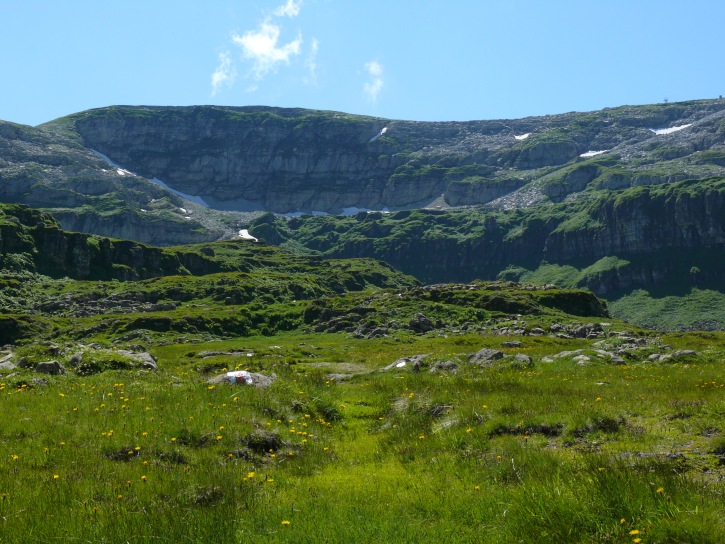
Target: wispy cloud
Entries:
(262, 47)
(373, 87)
(224, 74)
(290, 9)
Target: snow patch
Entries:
(122, 172)
(522, 136)
(593, 153)
(660, 131)
(244, 234)
(354, 211)
(379, 134)
(345, 211)
(105, 158)
(299, 214)
(144, 211)
(182, 210)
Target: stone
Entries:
(253, 379)
(24, 363)
(378, 332)
(678, 355)
(485, 356)
(336, 377)
(146, 360)
(562, 354)
(582, 360)
(617, 360)
(54, 368)
(523, 359)
(76, 359)
(444, 366)
(613, 357)
(414, 363)
(683, 353)
(511, 344)
(421, 323)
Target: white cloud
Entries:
(262, 48)
(290, 9)
(225, 73)
(373, 87)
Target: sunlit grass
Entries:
(558, 452)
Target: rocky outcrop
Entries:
(54, 368)
(478, 190)
(686, 215)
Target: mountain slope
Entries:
(55, 172)
(616, 200)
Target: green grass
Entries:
(553, 453)
(698, 309)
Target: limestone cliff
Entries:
(52, 170)
(662, 231)
(285, 160)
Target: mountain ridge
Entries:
(288, 160)
(614, 200)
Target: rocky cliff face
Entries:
(285, 160)
(683, 215)
(661, 232)
(80, 256)
(52, 170)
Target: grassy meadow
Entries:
(556, 450)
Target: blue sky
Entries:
(402, 59)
